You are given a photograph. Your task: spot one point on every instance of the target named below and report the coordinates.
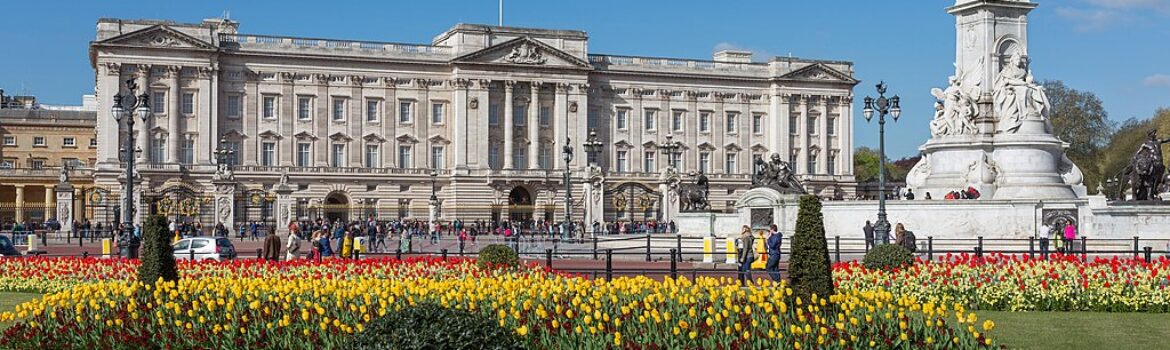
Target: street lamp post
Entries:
(592, 147)
(141, 108)
(884, 106)
(670, 147)
(434, 202)
(567, 155)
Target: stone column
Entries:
(65, 207)
(480, 134)
(225, 210)
(461, 146)
(823, 133)
(284, 207)
(508, 132)
(390, 123)
(174, 113)
(19, 217)
(802, 130)
(208, 108)
(844, 138)
(560, 123)
(534, 127)
(47, 205)
(580, 115)
(144, 126)
(108, 129)
(286, 149)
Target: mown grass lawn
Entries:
(8, 302)
(1079, 330)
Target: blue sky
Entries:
(1118, 49)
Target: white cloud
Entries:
(1094, 15)
(1160, 5)
(1162, 80)
(1089, 19)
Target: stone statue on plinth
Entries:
(775, 174)
(1146, 171)
(1017, 96)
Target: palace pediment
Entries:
(523, 51)
(159, 36)
(819, 72)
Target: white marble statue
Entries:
(955, 108)
(1017, 96)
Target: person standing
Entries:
(773, 243)
(746, 254)
(271, 249)
(1042, 234)
(347, 245)
(1055, 237)
(1070, 235)
(293, 248)
(868, 229)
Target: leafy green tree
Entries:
(1079, 118)
(158, 257)
(1118, 153)
(865, 164)
(811, 270)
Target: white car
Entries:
(204, 248)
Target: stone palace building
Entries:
(359, 127)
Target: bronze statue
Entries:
(694, 196)
(775, 174)
(1145, 171)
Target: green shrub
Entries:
(158, 257)
(429, 326)
(498, 255)
(887, 257)
(811, 272)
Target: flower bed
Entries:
(1018, 283)
(304, 305)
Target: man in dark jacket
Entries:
(271, 250)
(868, 230)
(775, 239)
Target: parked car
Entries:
(7, 248)
(204, 248)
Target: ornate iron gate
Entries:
(182, 203)
(632, 201)
(255, 206)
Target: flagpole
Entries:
(501, 22)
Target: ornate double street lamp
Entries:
(670, 147)
(567, 155)
(592, 147)
(884, 106)
(140, 107)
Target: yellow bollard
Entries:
(731, 251)
(32, 242)
(708, 249)
(358, 243)
(106, 248)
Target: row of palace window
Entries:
(158, 103)
(340, 112)
(337, 155)
(339, 109)
(41, 141)
(731, 125)
(40, 163)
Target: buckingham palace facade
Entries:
(479, 115)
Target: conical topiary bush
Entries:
(810, 269)
(158, 257)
